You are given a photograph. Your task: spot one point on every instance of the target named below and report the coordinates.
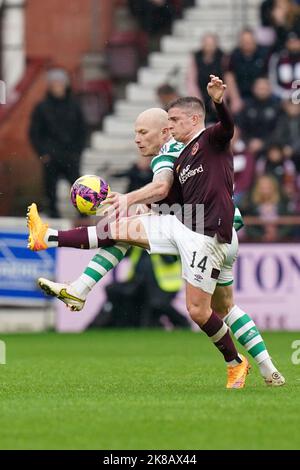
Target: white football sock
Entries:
(51, 233)
(267, 367)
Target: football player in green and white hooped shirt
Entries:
(152, 134)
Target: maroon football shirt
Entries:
(204, 174)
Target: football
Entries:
(88, 194)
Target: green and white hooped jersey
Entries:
(167, 156)
(165, 161)
(238, 222)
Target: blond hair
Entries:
(257, 196)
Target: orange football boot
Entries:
(236, 375)
(37, 229)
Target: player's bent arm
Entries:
(155, 191)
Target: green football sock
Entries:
(247, 334)
(104, 261)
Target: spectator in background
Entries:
(266, 9)
(275, 164)
(154, 16)
(259, 116)
(287, 132)
(246, 63)
(283, 16)
(139, 174)
(267, 203)
(244, 166)
(165, 94)
(284, 67)
(57, 134)
(210, 59)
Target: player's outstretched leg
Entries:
(74, 295)
(42, 237)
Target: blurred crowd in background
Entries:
(262, 74)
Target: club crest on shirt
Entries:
(195, 148)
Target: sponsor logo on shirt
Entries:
(187, 173)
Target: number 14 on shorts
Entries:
(201, 264)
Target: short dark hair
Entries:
(188, 102)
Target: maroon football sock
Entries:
(219, 334)
(83, 237)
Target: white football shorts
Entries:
(202, 257)
(226, 275)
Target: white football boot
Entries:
(63, 292)
(275, 380)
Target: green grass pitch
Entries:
(141, 390)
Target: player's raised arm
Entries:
(221, 132)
